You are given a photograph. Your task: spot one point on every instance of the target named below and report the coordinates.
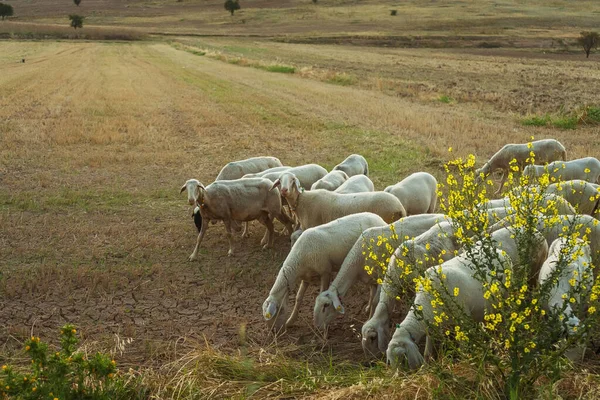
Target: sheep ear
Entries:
(269, 310)
(337, 304)
(182, 189)
(415, 359)
(298, 185)
(277, 183)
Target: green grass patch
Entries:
(565, 122)
(445, 99)
(536, 121)
(284, 69)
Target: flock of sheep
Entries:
(331, 215)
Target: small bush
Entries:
(589, 41)
(76, 21)
(6, 10)
(393, 12)
(232, 6)
(64, 373)
(592, 114)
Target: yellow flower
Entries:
(592, 310)
(450, 149)
(587, 170)
(456, 291)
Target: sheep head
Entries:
(375, 338)
(195, 191)
(275, 313)
(289, 186)
(327, 305)
(401, 349)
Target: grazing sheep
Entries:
(354, 164)
(417, 193)
(267, 172)
(318, 252)
(586, 169)
(579, 193)
(239, 200)
(237, 169)
(458, 273)
(555, 227)
(442, 244)
(317, 207)
(353, 267)
(578, 272)
(307, 174)
(546, 150)
(331, 181)
(295, 236)
(356, 184)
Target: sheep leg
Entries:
(284, 219)
(194, 255)
(270, 234)
(428, 354)
(245, 233)
(325, 278)
(373, 299)
(229, 236)
(299, 295)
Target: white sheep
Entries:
(328, 304)
(356, 184)
(307, 174)
(318, 252)
(317, 207)
(442, 243)
(331, 181)
(354, 164)
(237, 169)
(295, 236)
(587, 169)
(554, 227)
(267, 172)
(239, 200)
(546, 151)
(582, 195)
(417, 193)
(572, 274)
(458, 273)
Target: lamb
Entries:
(581, 194)
(331, 181)
(239, 200)
(417, 193)
(307, 174)
(318, 252)
(442, 243)
(587, 169)
(546, 150)
(328, 303)
(356, 184)
(237, 169)
(317, 207)
(459, 274)
(354, 164)
(578, 272)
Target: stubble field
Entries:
(97, 138)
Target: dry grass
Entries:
(536, 19)
(93, 232)
(23, 30)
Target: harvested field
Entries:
(97, 138)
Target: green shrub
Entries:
(342, 79)
(565, 122)
(593, 114)
(65, 373)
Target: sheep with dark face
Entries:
(236, 200)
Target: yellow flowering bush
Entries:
(64, 374)
(518, 337)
